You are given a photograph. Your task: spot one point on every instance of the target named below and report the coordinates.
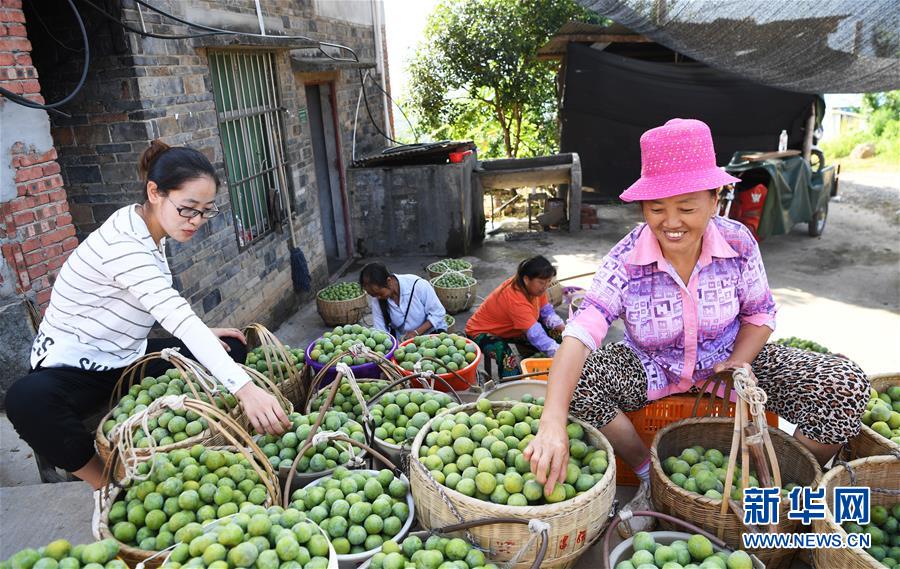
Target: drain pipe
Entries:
(380, 65)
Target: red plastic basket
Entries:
(468, 373)
(663, 412)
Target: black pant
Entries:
(48, 406)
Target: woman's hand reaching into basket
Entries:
(263, 410)
(548, 453)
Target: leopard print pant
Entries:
(823, 394)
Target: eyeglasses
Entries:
(191, 213)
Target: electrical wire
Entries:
(319, 46)
(87, 61)
(143, 33)
(44, 25)
(208, 31)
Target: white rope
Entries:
(427, 375)
(170, 354)
(535, 527)
(344, 369)
(329, 436)
(747, 389)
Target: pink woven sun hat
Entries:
(677, 158)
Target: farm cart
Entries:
(780, 189)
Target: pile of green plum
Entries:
(345, 400)
(445, 265)
(695, 553)
(455, 352)
(185, 489)
(359, 510)
(882, 413)
(527, 398)
(703, 471)
(342, 337)
(808, 345)
(60, 554)
(453, 280)
(257, 538)
(435, 553)
(341, 291)
(282, 450)
(256, 359)
(480, 455)
(884, 529)
(399, 416)
(172, 426)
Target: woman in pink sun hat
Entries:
(692, 291)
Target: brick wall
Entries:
(139, 89)
(36, 229)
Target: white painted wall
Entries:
(355, 11)
(20, 124)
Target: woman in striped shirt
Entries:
(108, 294)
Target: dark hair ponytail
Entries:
(171, 166)
(537, 267)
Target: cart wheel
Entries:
(817, 223)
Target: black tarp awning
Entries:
(609, 101)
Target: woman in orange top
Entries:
(517, 317)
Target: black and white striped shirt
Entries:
(108, 294)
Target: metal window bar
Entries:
(249, 116)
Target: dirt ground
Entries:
(841, 290)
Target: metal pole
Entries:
(259, 16)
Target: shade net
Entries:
(822, 46)
(610, 100)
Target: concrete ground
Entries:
(841, 290)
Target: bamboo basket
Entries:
(341, 312)
(438, 268)
(875, 472)
(868, 442)
(574, 524)
(555, 292)
(194, 375)
(456, 300)
(209, 437)
(236, 440)
(796, 463)
(287, 376)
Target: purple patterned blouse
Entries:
(678, 332)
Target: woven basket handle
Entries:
(269, 342)
(716, 380)
(545, 537)
(664, 517)
(232, 432)
(342, 438)
(385, 365)
(265, 383)
(191, 372)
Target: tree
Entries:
(476, 74)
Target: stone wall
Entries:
(141, 88)
(417, 210)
